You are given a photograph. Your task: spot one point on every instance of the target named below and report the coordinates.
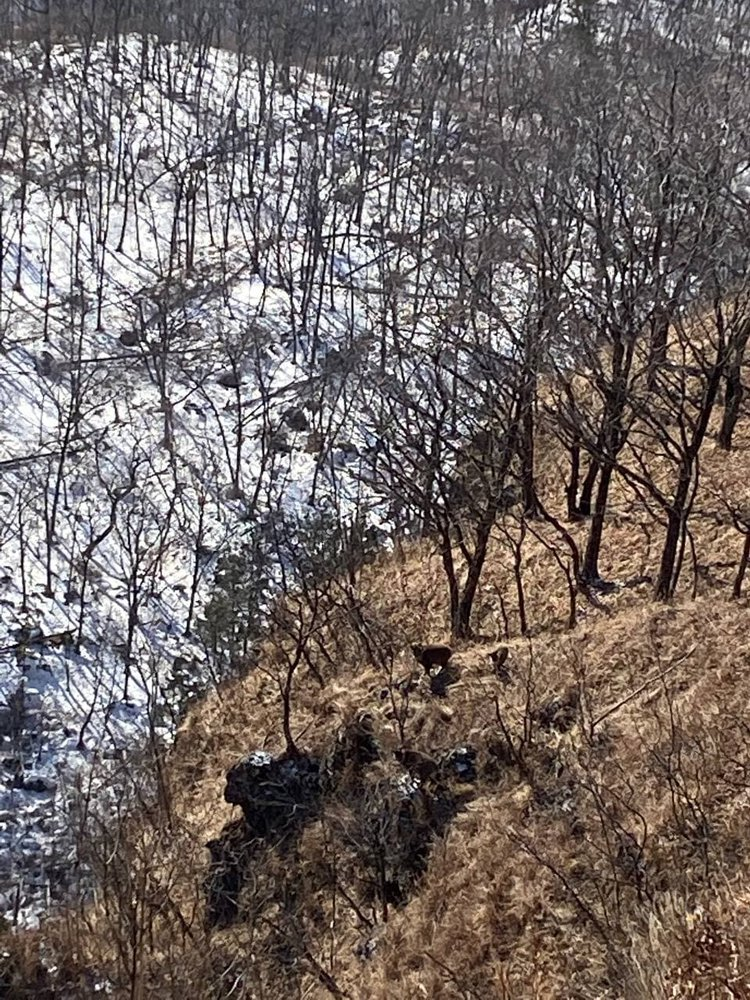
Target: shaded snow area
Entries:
(194, 261)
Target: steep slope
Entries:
(266, 312)
(594, 846)
(250, 293)
(187, 286)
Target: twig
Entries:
(466, 990)
(634, 694)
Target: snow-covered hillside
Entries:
(225, 289)
(193, 263)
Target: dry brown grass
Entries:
(532, 892)
(523, 897)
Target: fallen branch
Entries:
(639, 690)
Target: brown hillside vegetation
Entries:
(600, 851)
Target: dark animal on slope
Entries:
(442, 680)
(431, 656)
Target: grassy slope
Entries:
(612, 861)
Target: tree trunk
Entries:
(658, 346)
(667, 581)
(679, 510)
(446, 552)
(664, 583)
(530, 503)
(732, 402)
(462, 620)
(590, 569)
(571, 490)
(734, 390)
(518, 577)
(737, 590)
(286, 702)
(587, 490)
